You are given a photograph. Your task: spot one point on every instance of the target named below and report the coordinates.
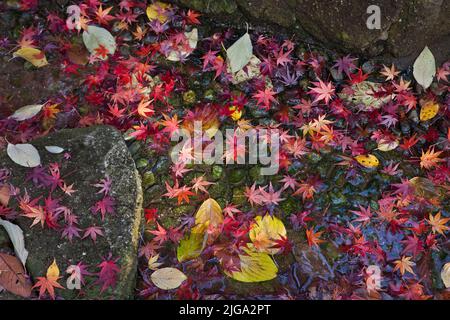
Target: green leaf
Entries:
(424, 68)
(240, 53)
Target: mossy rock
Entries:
(96, 152)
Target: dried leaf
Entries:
(240, 53)
(12, 276)
(157, 10)
(35, 56)
(168, 278)
(24, 154)
(4, 195)
(15, 233)
(53, 271)
(424, 68)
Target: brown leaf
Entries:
(4, 195)
(12, 276)
(78, 55)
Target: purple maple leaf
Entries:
(104, 206)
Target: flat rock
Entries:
(95, 152)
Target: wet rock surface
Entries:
(95, 152)
(406, 26)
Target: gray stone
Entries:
(406, 25)
(96, 152)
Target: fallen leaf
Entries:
(26, 112)
(95, 37)
(445, 275)
(240, 53)
(385, 145)
(15, 233)
(265, 231)
(4, 195)
(153, 263)
(254, 267)
(209, 214)
(54, 149)
(24, 154)
(35, 56)
(191, 246)
(12, 276)
(424, 68)
(368, 161)
(429, 110)
(168, 278)
(157, 10)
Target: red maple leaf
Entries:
(109, 271)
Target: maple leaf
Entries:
(413, 245)
(191, 17)
(71, 231)
(345, 64)
(143, 109)
(437, 223)
(389, 73)
(37, 213)
(363, 214)
(270, 197)
(160, 234)
(253, 195)
(105, 185)
(289, 182)
(313, 237)
(264, 98)
(170, 124)
(101, 51)
(430, 158)
(49, 282)
(109, 271)
(200, 183)
(283, 244)
(408, 143)
(322, 91)
(93, 232)
(404, 265)
(151, 215)
(103, 16)
(104, 206)
(283, 58)
(442, 74)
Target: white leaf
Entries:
(54, 149)
(16, 236)
(240, 53)
(192, 38)
(424, 68)
(27, 112)
(168, 278)
(95, 37)
(24, 154)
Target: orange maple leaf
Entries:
(313, 237)
(430, 158)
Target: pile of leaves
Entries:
(374, 125)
